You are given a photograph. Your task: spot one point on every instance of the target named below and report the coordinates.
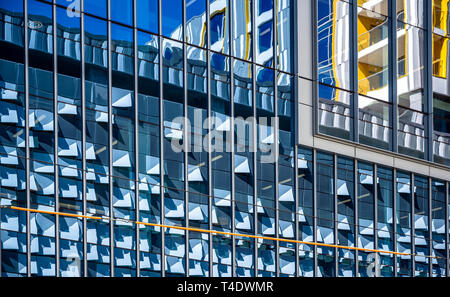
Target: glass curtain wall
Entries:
(13, 164)
(380, 46)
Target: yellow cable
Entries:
(217, 232)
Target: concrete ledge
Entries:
(375, 157)
(411, 166)
(334, 147)
(353, 150)
(440, 173)
(305, 129)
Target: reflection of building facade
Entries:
(383, 83)
(376, 48)
(88, 104)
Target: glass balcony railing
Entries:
(379, 33)
(373, 36)
(400, 20)
(373, 82)
(380, 79)
(401, 68)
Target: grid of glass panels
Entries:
(440, 69)
(91, 117)
(377, 83)
(91, 99)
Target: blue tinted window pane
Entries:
(15, 6)
(66, 23)
(195, 22)
(68, 30)
(96, 7)
(72, 5)
(265, 37)
(122, 11)
(284, 35)
(219, 25)
(333, 56)
(264, 5)
(95, 28)
(147, 15)
(172, 17)
(39, 11)
(40, 28)
(242, 29)
(121, 36)
(122, 51)
(195, 8)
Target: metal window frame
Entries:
(430, 226)
(354, 74)
(83, 137)
(392, 71)
(335, 223)
(110, 141)
(254, 141)
(314, 193)
(136, 137)
(161, 133)
(394, 218)
(375, 217)
(447, 242)
(356, 220)
(428, 95)
(232, 134)
(413, 227)
(276, 132)
(27, 132)
(55, 136)
(296, 220)
(186, 134)
(210, 175)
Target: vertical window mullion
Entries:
(375, 219)
(83, 136)
(185, 143)
(356, 220)
(315, 208)
(430, 226)
(447, 231)
(253, 142)
(394, 218)
(27, 134)
(296, 229)
(232, 136)
(210, 177)
(335, 206)
(110, 141)
(392, 54)
(56, 131)
(276, 133)
(413, 233)
(429, 80)
(161, 133)
(136, 136)
(354, 70)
